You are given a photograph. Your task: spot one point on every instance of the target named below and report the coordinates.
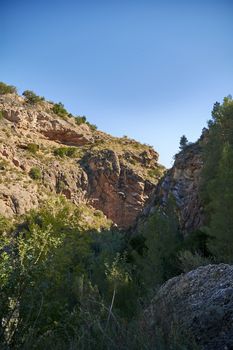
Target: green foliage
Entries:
(93, 127)
(5, 225)
(155, 173)
(65, 152)
(66, 286)
(35, 173)
(190, 261)
(7, 89)
(197, 241)
(183, 142)
(217, 181)
(83, 120)
(162, 241)
(221, 222)
(43, 279)
(80, 120)
(31, 97)
(59, 109)
(1, 115)
(32, 148)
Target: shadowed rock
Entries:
(199, 303)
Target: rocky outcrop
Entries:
(198, 304)
(40, 118)
(114, 175)
(16, 200)
(181, 183)
(114, 188)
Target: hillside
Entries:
(45, 151)
(100, 246)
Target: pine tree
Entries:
(217, 181)
(183, 142)
(221, 224)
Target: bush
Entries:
(93, 127)
(83, 120)
(65, 151)
(35, 173)
(7, 89)
(32, 147)
(59, 110)
(80, 120)
(190, 261)
(162, 240)
(31, 97)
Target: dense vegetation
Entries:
(69, 284)
(217, 188)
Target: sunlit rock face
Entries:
(114, 175)
(114, 188)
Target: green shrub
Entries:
(93, 127)
(1, 115)
(65, 152)
(80, 120)
(155, 172)
(7, 89)
(59, 110)
(190, 261)
(35, 173)
(32, 148)
(31, 97)
(83, 120)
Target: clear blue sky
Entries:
(147, 69)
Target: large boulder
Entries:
(198, 304)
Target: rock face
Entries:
(15, 200)
(114, 175)
(182, 183)
(199, 304)
(40, 118)
(115, 188)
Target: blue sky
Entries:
(147, 69)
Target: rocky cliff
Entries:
(42, 153)
(182, 183)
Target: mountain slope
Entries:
(43, 152)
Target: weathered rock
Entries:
(116, 178)
(40, 118)
(198, 304)
(182, 183)
(114, 188)
(16, 200)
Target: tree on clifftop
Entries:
(183, 142)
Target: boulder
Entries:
(198, 304)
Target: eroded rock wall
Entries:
(182, 183)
